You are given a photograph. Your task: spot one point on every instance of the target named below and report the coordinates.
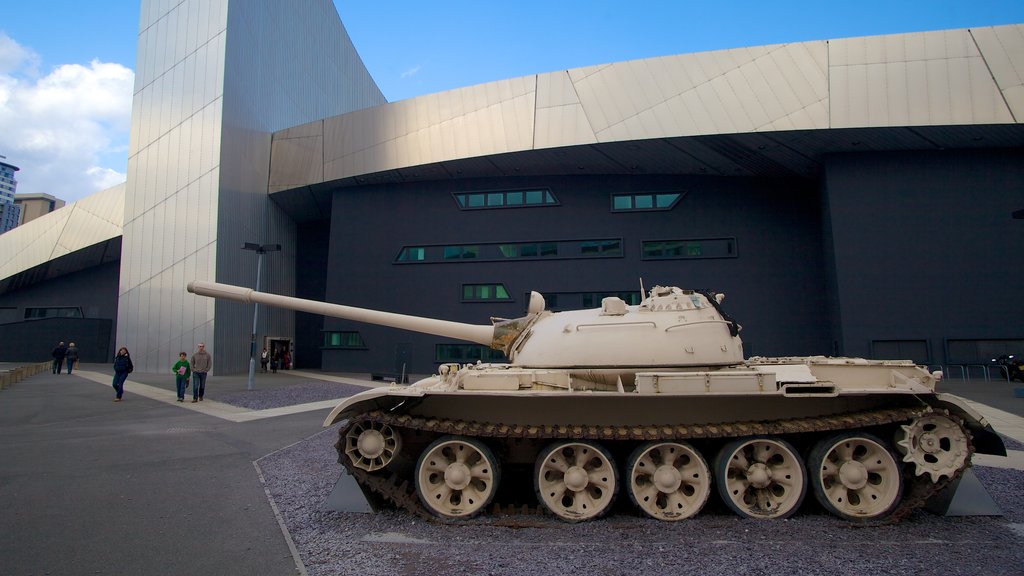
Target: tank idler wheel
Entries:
(935, 444)
(371, 446)
(761, 477)
(576, 480)
(456, 477)
(668, 480)
(855, 476)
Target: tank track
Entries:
(400, 492)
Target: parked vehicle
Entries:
(1010, 367)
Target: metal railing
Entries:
(967, 372)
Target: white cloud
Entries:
(67, 130)
(411, 71)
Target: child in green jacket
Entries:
(182, 372)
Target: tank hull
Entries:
(520, 415)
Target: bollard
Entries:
(14, 375)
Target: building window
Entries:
(467, 354)
(53, 312)
(505, 199)
(461, 252)
(593, 299)
(645, 201)
(344, 340)
(601, 247)
(916, 350)
(694, 248)
(555, 249)
(529, 250)
(557, 301)
(485, 293)
(412, 254)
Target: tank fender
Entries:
(373, 399)
(985, 439)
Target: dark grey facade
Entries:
(79, 307)
(925, 253)
(883, 254)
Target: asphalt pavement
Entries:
(143, 486)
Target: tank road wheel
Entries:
(761, 477)
(668, 480)
(371, 446)
(456, 477)
(855, 476)
(575, 480)
(935, 444)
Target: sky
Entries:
(67, 67)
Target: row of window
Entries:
(495, 251)
(54, 312)
(505, 199)
(553, 300)
(694, 248)
(461, 353)
(643, 201)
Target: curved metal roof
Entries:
(80, 235)
(766, 110)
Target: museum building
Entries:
(850, 197)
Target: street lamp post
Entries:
(260, 250)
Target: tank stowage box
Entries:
(655, 401)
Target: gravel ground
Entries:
(301, 393)
(300, 478)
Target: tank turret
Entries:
(669, 328)
(654, 401)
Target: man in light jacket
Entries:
(202, 363)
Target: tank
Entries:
(652, 402)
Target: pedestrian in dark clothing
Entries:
(182, 372)
(202, 363)
(275, 359)
(58, 357)
(71, 356)
(122, 368)
(264, 360)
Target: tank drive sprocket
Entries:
(936, 444)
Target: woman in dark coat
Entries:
(122, 367)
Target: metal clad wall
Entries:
(173, 170)
(951, 77)
(214, 80)
(913, 79)
(924, 246)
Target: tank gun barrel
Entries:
(480, 334)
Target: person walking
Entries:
(202, 363)
(71, 356)
(122, 368)
(182, 372)
(58, 357)
(264, 360)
